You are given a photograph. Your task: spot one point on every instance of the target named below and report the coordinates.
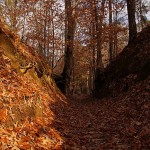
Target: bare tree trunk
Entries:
(110, 34)
(53, 33)
(45, 33)
(93, 53)
(69, 40)
(131, 18)
(115, 36)
(99, 25)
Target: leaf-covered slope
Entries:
(130, 67)
(26, 92)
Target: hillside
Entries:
(118, 118)
(128, 69)
(26, 93)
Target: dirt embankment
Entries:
(26, 92)
(129, 68)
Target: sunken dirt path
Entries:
(87, 124)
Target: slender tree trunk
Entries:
(45, 34)
(110, 34)
(23, 29)
(131, 18)
(53, 34)
(115, 35)
(99, 25)
(93, 52)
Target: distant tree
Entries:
(110, 34)
(131, 18)
(142, 8)
(99, 29)
(99, 25)
(12, 13)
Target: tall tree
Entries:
(110, 33)
(131, 19)
(99, 26)
(69, 40)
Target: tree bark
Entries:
(69, 40)
(131, 19)
(99, 26)
(110, 33)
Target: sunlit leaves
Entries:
(25, 116)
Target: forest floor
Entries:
(120, 123)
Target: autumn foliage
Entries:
(25, 115)
(99, 59)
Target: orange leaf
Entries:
(24, 145)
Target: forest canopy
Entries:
(75, 35)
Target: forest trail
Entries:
(87, 124)
(120, 123)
